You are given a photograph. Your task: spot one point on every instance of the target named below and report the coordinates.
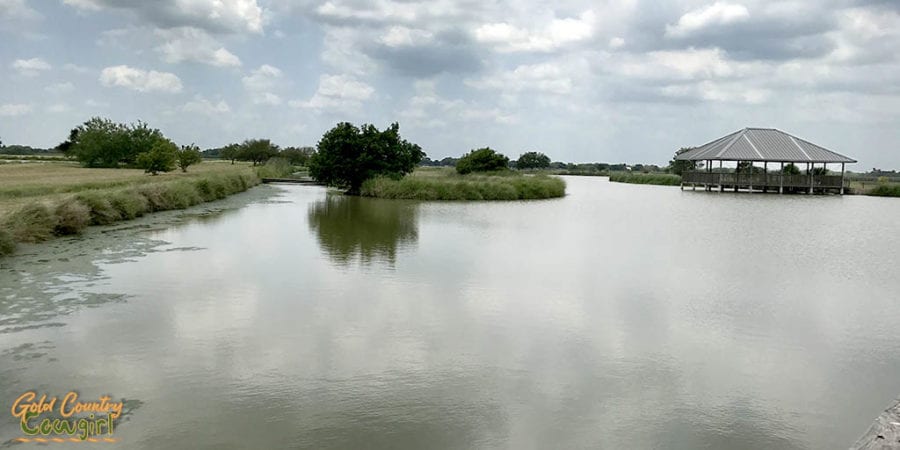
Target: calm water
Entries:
(619, 317)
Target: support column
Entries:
(842, 178)
(781, 180)
(751, 176)
(766, 176)
(811, 166)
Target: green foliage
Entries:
(7, 243)
(161, 158)
(104, 143)
(230, 151)
(791, 169)
(37, 222)
(482, 160)
(72, 217)
(187, 156)
(468, 187)
(885, 189)
(32, 223)
(661, 179)
(678, 167)
(275, 168)
(347, 156)
(533, 160)
(297, 156)
(819, 171)
(257, 151)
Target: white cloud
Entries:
(556, 34)
(203, 106)
(17, 10)
(31, 67)
(267, 98)
(217, 15)
(15, 109)
(140, 80)
(57, 108)
(194, 45)
(719, 13)
(60, 88)
(400, 36)
(260, 83)
(552, 78)
(263, 78)
(337, 92)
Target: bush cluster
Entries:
(469, 187)
(482, 160)
(662, 179)
(39, 222)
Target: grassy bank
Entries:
(57, 200)
(446, 184)
(661, 179)
(885, 190)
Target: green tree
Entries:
(139, 138)
(161, 158)
(230, 151)
(297, 156)
(348, 155)
(257, 151)
(188, 156)
(482, 160)
(533, 160)
(99, 143)
(679, 167)
(791, 169)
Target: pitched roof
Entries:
(763, 144)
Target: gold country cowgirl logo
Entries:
(66, 418)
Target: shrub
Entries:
(188, 156)
(482, 160)
(72, 217)
(533, 160)
(275, 168)
(469, 187)
(31, 223)
(7, 243)
(661, 179)
(102, 211)
(161, 158)
(886, 190)
(130, 204)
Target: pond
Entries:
(620, 316)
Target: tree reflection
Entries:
(371, 229)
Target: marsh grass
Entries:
(885, 190)
(44, 218)
(438, 184)
(661, 179)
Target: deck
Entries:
(765, 182)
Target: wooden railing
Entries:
(763, 180)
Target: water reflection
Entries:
(370, 230)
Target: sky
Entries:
(582, 81)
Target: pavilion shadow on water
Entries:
(773, 148)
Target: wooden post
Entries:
(809, 170)
(842, 178)
(766, 176)
(781, 180)
(751, 176)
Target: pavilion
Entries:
(750, 146)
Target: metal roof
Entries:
(763, 144)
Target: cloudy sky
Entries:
(614, 81)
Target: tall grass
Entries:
(276, 168)
(466, 187)
(662, 179)
(886, 190)
(38, 222)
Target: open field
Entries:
(446, 184)
(42, 200)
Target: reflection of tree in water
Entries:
(371, 229)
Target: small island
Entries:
(369, 162)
